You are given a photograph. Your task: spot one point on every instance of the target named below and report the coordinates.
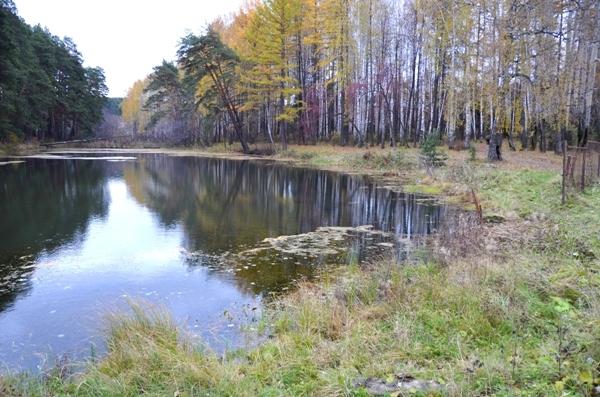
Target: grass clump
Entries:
(391, 160)
(297, 155)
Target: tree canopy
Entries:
(45, 91)
(383, 72)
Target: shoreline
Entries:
(403, 173)
(490, 310)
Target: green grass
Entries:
(522, 318)
(524, 191)
(535, 196)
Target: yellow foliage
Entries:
(132, 107)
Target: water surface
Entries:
(82, 235)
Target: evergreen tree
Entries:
(208, 57)
(45, 91)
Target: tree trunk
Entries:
(495, 146)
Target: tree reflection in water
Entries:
(43, 206)
(228, 206)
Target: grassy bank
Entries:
(19, 149)
(507, 308)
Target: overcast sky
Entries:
(124, 37)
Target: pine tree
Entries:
(207, 56)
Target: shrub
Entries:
(12, 144)
(307, 155)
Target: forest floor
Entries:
(507, 306)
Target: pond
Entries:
(84, 234)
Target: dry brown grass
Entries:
(512, 160)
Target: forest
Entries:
(45, 91)
(381, 72)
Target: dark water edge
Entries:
(82, 236)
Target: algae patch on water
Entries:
(265, 265)
(326, 240)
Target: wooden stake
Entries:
(564, 173)
(583, 170)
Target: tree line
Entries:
(45, 91)
(382, 72)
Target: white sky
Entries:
(124, 37)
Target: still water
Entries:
(82, 235)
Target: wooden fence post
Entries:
(564, 173)
(571, 161)
(583, 170)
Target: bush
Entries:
(12, 144)
(307, 155)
